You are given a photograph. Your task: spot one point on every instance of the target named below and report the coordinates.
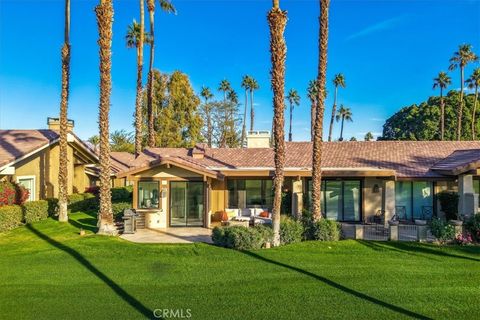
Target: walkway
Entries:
(170, 235)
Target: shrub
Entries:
(442, 230)
(266, 232)
(449, 204)
(82, 202)
(291, 230)
(93, 190)
(326, 230)
(35, 211)
(473, 226)
(119, 207)
(11, 216)
(12, 193)
(463, 240)
(52, 206)
(241, 238)
(122, 194)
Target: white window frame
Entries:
(33, 193)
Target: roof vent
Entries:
(258, 139)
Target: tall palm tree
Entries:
(252, 87)
(207, 95)
(343, 114)
(63, 169)
(168, 7)
(442, 81)
(224, 87)
(293, 100)
(461, 59)
(318, 129)
(104, 12)
(473, 83)
(277, 20)
(312, 96)
(338, 81)
(246, 81)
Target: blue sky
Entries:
(389, 51)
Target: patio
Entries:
(170, 235)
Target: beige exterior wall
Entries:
(372, 201)
(218, 198)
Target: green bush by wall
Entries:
(291, 230)
(10, 217)
(35, 211)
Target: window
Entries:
(414, 200)
(148, 194)
(341, 199)
(28, 182)
(250, 193)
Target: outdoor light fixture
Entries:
(376, 188)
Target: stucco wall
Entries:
(372, 201)
(37, 166)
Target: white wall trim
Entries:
(34, 191)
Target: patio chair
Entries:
(427, 212)
(401, 213)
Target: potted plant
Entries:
(449, 205)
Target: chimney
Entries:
(54, 124)
(198, 151)
(258, 139)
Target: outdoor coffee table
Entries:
(242, 223)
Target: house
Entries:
(31, 158)
(361, 180)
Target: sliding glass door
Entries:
(186, 203)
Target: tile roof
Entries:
(459, 161)
(16, 143)
(413, 159)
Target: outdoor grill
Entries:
(129, 221)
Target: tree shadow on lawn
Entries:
(374, 245)
(132, 301)
(340, 287)
(416, 248)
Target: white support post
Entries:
(388, 203)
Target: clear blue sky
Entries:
(388, 50)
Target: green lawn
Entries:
(47, 271)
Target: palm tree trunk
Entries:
(209, 124)
(474, 113)
(151, 129)
(252, 111)
(138, 98)
(104, 13)
(290, 127)
(460, 109)
(277, 20)
(442, 124)
(334, 111)
(244, 127)
(341, 129)
(63, 161)
(313, 111)
(317, 141)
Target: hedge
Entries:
(35, 211)
(242, 238)
(10, 217)
(291, 230)
(119, 207)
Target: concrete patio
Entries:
(170, 235)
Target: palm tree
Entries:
(252, 87)
(94, 141)
(104, 12)
(294, 100)
(338, 81)
(343, 114)
(277, 20)
(312, 95)
(168, 7)
(224, 87)
(442, 81)
(461, 59)
(368, 136)
(63, 163)
(246, 81)
(318, 129)
(207, 95)
(473, 83)
(135, 38)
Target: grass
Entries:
(47, 271)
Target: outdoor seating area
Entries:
(246, 216)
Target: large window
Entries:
(413, 200)
(341, 199)
(148, 194)
(250, 193)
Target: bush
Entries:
(449, 204)
(12, 193)
(291, 231)
(241, 238)
(119, 207)
(52, 206)
(326, 230)
(35, 211)
(82, 202)
(122, 194)
(473, 226)
(442, 230)
(11, 216)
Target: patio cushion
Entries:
(231, 213)
(246, 212)
(264, 214)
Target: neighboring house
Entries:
(189, 186)
(31, 158)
